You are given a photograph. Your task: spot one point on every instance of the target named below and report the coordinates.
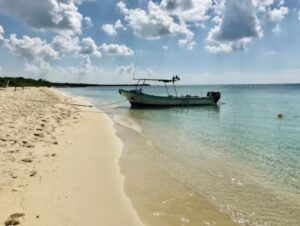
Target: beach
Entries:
(81, 156)
(59, 162)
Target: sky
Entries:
(112, 41)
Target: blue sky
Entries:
(203, 41)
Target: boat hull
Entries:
(141, 100)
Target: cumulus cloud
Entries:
(165, 47)
(152, 23)
(225, 47)
(65, 43)
(112, 29)
(187, 10)
(88, 22)
(218, 48)
(89, 48)
(32, 49)
(239, 21)
(37, 53)
(39, 69)
(187, 42)
(116, 50)
(236, 25)
(278, 15)
(126, 69)
(54, 15)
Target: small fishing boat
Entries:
(138, 99)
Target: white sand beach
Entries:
(59, 163)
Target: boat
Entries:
(138, 99)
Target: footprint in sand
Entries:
(14, 219)
(26, 160)
(13, 151)
(32, 173)
(38, 134)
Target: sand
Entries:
(59, 163)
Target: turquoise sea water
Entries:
(240, 155)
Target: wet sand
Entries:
(59, 163)
(156, 195)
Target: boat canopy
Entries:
(174, 79)
(165, 81)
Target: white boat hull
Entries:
(141, 100)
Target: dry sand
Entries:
(59, 163)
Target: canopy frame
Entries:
(141, 82)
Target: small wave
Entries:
(131, 124)
(128, 122)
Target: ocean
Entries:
(238, 158)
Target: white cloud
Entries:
(89, 48)
(37, 53)
(85, 67)
(187, 10)
(126, 69)
(54, 15)
(276, 29)
(1, 33)
(65, 43)
(187, 42)
(271, 53)
(299, 15)
(281, 2)
(147, 73)
(112, 29)
(225, 47)
(165, 47)
(32, 49)
(152, 23)
(116, 50)
(278, 15)
(88, 22)
(38, 69)
(219, 48)
(109, 29)
(236, 25)
(239, 21)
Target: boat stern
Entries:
(216, 96)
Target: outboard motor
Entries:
(214, 95)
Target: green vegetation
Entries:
(20, 82)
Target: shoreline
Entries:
(159, 198)
(66, 180)
(152, 192)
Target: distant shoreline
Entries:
(22, 82)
